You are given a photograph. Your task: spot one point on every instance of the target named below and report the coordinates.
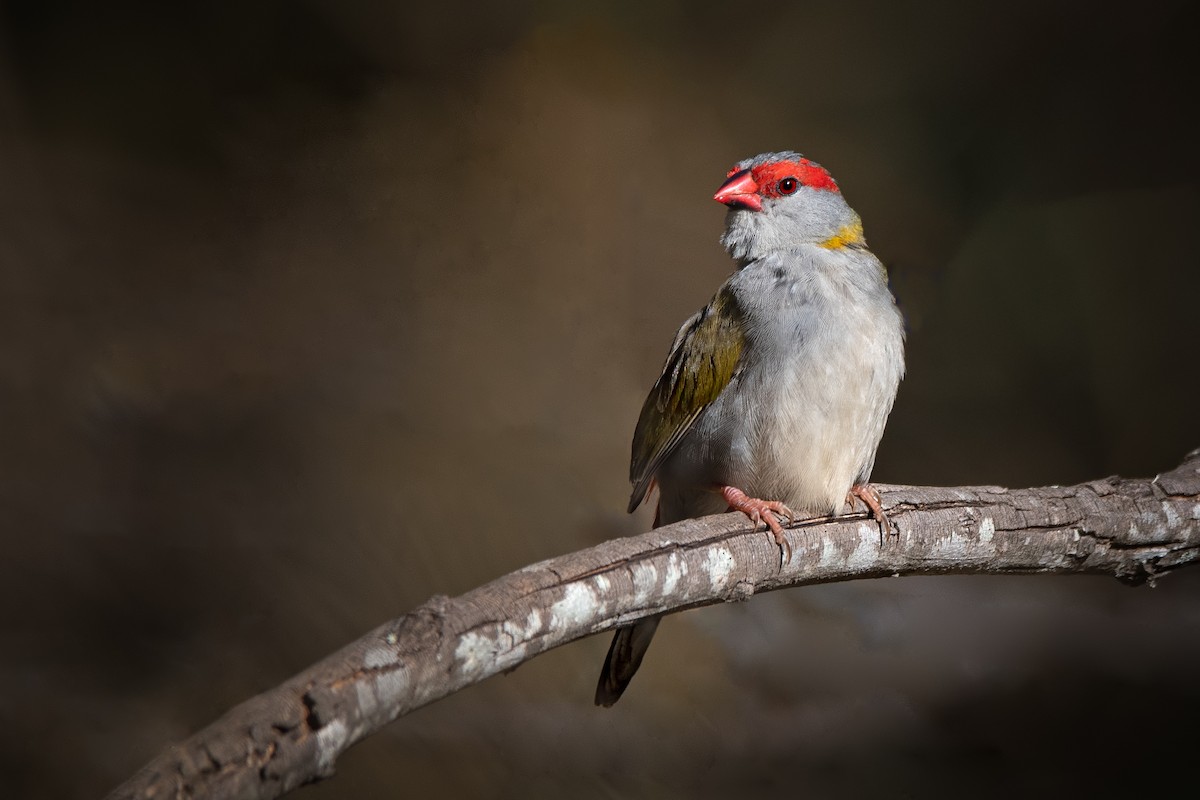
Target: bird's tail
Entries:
(628, 646)
(624, 657)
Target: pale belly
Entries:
(801, 424)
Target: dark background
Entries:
(312, 310)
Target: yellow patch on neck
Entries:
(846, 235)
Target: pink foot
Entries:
(765, 511)
(870, 498)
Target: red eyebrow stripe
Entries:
(808, 173)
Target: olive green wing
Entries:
(703, 360)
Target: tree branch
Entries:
(1134, 530)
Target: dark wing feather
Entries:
(702, 362)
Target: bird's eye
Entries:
(788, 186)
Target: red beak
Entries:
(740, 191)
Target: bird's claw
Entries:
(767, 512)
(870, 498)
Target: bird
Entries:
(774, 396)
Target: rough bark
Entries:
(1134, 530)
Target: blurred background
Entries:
(314, 309)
